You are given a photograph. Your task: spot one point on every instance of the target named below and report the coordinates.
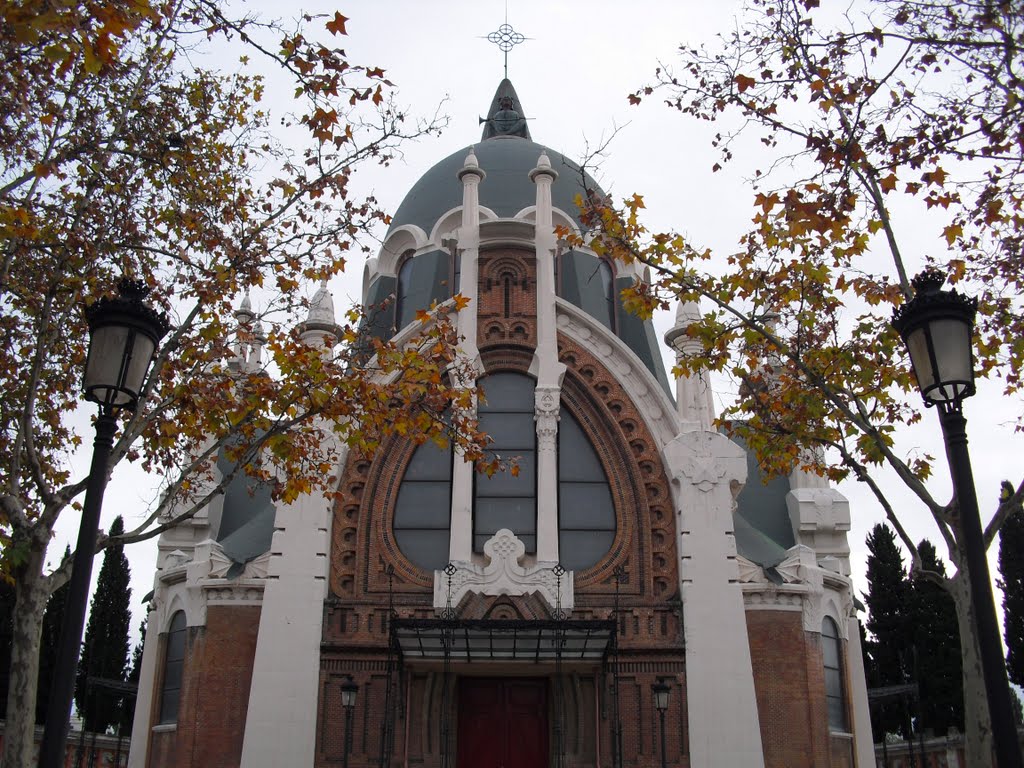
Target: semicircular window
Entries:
(423, 508)
(586, 512)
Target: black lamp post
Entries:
(661, 692)
(123, 336)
(349, 689)
(936, 326)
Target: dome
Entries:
(507, 155)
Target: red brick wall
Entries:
(790, 687)
(215, 692)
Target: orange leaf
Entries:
(744, 82)
(337, 25)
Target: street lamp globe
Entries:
(936, 327)
(123, 336)
(661, 691)
(349, 689)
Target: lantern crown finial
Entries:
(929, 281)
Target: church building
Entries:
(635, 596)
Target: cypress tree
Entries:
(128, 703)
(106, 639)
(886, 601)
(52, 620)
(1011, 581)
(936, 637)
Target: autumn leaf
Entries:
(743, 82)
(336, 26)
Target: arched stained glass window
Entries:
(174, 668)
(832, 654)
(586, 513)
(505, 500)
(423, 508)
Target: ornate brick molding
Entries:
(640, 386)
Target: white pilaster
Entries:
(138, 756)
(549, 370)
(460, 547)
(280, 726)
(708, 471)
(863, 741)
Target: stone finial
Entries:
(472, 166)
(244, 313)
(320, 321)
(543, 168)
(694, 398)
(687, 313)
(321, 306)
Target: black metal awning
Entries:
(503, 640)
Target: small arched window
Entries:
(589, 283)
(174, 668)
(423, 509)
(832, 654)
(423, 280)
(586, 512)
(505, 500)
(402, 293)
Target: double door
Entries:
(503, 723)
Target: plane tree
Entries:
(122, 154)
(885, 139)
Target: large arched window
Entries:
(507, 500)
(423, 508)
(832, 653)
(586, 513)
(174, 668)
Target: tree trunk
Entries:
(30, 604)
(977, 723)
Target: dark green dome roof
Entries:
(507, 155)
(507, 189)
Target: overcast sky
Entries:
(573, 75)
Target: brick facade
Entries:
(219, 659)
(650, 630)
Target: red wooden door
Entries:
(503, 723)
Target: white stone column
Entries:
(138, 756)
(549, 370)
(280, 726)
(708, 471)
(460, 547)
(863, 741)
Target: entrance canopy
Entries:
(503, 640)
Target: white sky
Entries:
(573, 76)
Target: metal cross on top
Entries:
(506, 39)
